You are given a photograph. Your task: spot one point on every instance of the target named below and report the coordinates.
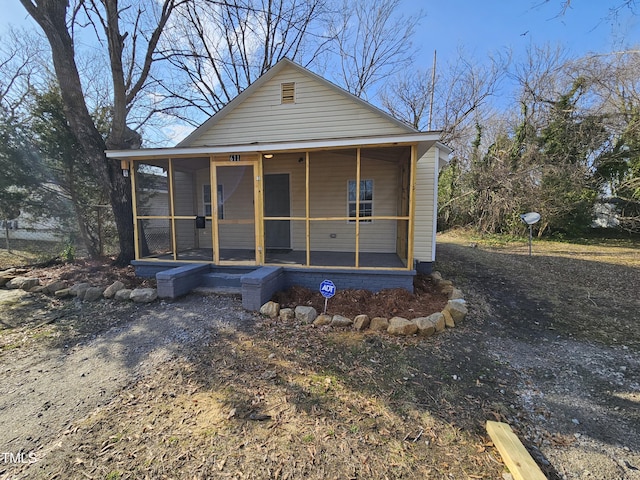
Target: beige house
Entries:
(294, 172)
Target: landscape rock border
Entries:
(14, 278)
(452, 314)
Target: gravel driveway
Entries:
(578, 401)
(44, 389)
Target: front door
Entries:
(277, 203)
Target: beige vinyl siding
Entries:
(329, 175)
(318, 112)
(425, 223)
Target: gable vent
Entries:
(288, 92)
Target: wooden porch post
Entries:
(357, 264)
(412, 204)
(307, 210)
(136, 234)
(258, 194)
(174, 241)
(214, 210)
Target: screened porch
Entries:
(346, 208)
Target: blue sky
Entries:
(485, 26)
(481, 28)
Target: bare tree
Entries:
(408, 98)
(460, 94)
(217, 49)
(373, 43)
(20, 68)
(541, 77)
(130, 43)
(614, 10)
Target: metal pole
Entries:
(433, 88)
(530, 236)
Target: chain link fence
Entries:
(32, 241)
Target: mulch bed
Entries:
(98, 272)
(393, 302)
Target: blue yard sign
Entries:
(327, 289)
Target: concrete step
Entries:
(207, 291)
(221, 279)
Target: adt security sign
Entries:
(327, 289)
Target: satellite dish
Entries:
(530, 218)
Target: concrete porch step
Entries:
(221, 279)
(227, 291)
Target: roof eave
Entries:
(430, 138)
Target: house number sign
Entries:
(234, 158)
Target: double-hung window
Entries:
(206, 195)
(366, 200)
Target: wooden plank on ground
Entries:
(513, 453)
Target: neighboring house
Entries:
(310, 181)
(28, 227)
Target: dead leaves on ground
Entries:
(278, 402)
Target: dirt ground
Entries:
(199, 388)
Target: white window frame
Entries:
(206, 203)
(363, 219)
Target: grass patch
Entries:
(17, 258)
(587, 290)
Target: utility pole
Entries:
(433, 89)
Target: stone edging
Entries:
(453, 313)
(11, 279)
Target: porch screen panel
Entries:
(329, 174)
(402, 240)
(332, 235)
(333, 243)
(188, 242)
(184, 192)
(189, 176)
(284, 192)
(191, 199)
(152, 188)
(296, 253)
(384, 216)
(236, 226)
(154, 238)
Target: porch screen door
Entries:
(236, 214)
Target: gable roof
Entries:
(204, 134)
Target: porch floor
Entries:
(293, 257)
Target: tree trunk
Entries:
(51, 16)
(120, 196)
